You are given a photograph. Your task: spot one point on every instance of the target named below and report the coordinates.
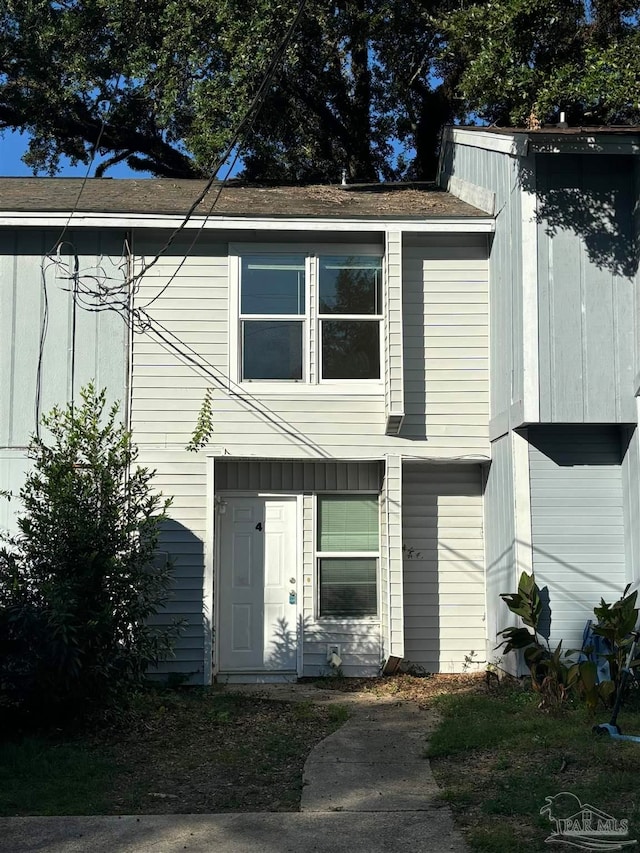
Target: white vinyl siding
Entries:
(324, 423)
(446, 345)
(446, 390)
(444, 601)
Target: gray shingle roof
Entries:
(167, 196)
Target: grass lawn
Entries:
(185, 751)
(498, 757)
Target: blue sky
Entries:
(13, 145)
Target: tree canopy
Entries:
(363, 85)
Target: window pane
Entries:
(272, 284)
(350, 285)
(271, 349)
(350, 349)
(348, 587)
(348, 523)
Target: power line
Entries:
(243, 127)
(96, 146)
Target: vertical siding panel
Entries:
(587, 311)
(8, 347)
(385, 631)
(631, 494)
(499, 516)
(499, 173)
(100, 342)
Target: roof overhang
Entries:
(521, 143)
(445, 225)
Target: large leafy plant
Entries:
(556, 674)
(551, 677)
(81, 579)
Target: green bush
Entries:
(79, 581)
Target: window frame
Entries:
(318, 555)
(339, 318)
(302, 319)
(311, 381)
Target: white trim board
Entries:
(530, 332)
(441, 225)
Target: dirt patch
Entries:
(204, 751)
(419, 689)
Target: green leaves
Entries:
(556, 674)
(75, 587)
(526, 602)
(203, 429)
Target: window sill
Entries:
(350, 387)
(346, 622)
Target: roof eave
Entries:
(519, 143)
(433, 224)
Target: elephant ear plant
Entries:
(554, 674)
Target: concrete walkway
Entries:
(367, 789)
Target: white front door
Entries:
(257, 628)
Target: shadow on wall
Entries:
(606, 445)
(592, 195)
(285, 639)
(185, 604)
(414, 425)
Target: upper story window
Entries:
(272, 316)
(350, 310)
(308, 318)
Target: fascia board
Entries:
(504, 143)
(589, 144)
(229, 223)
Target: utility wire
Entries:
(243, 127)
(95, 147)
(57, 242)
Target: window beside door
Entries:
(347, 555)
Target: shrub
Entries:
(79, 581)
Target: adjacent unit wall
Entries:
(577, 522)
(48, 350)
(500, 540)
(500, 174)
(587, 265)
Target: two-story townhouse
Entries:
(342, 334)
(562, 495)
